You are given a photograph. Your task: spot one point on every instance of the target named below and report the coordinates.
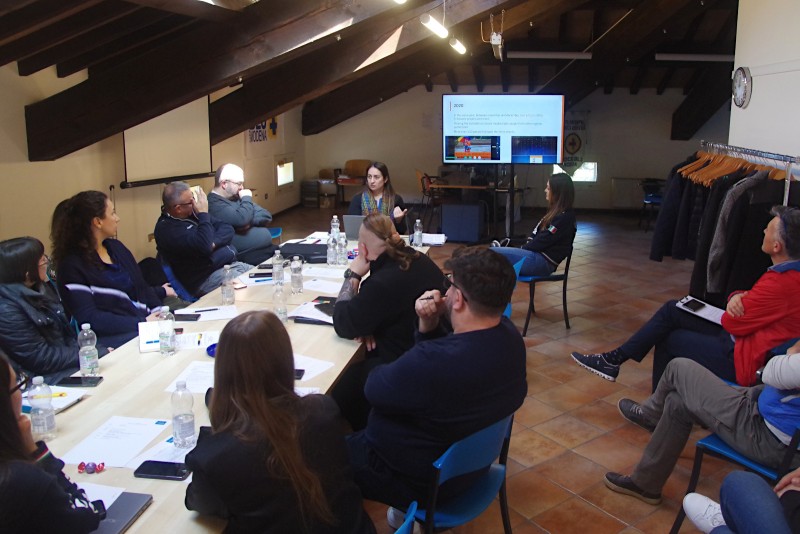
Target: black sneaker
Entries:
(632, 411)
(597, 364)
(623, 484)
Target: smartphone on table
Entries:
(80, 381)
(162, 470)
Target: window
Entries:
(585, 173)
(284, 170)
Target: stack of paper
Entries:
(435, 240)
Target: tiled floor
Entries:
(568, 433)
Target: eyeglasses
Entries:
(22, 383)
(238, 184)
(448, 281)
(182, 204)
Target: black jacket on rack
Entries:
(664, 229)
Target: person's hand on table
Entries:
(735, 307)
(369, 341)
(398, 213)
(429, 307)
(153, 317)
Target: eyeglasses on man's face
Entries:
(448, 282)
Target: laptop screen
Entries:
(352, 223)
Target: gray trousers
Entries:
(689, 393)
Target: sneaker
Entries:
(396, 518)
(597, 364)
(494, 243)
(632, 411)
(703, 512)
(623, 484)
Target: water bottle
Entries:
(341, 249)
(43, 417)
(277, 268)
(297, 274)
(417, 241)
(166, 332)
(87, 355)
(183, 435)
(228, 296)
(279, 303)
(335, 227)
(331, 249)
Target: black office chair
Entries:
(531, 280)
(651, 202)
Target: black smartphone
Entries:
(80, 381)
(694, 305)
(162, 470)
(298, 373)
(187, 316)
(261, 275)
(265, 266)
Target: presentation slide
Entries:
(525, 129)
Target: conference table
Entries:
(135, 384)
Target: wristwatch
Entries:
(350, 274)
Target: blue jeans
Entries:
(535, 264)
(676, 333)
(214, 280)
(749, 506)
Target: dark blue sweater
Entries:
(114, 299)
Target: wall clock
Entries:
(742, 87)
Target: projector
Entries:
(497, 45)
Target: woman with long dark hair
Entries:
(551, 239)
(378, 196)
(34, 330)
(98, 278)
(272, 462)
(35, 495)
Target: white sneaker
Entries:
(703, 512)
(395, 518)
(495, 243)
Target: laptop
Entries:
(352, 223)
(125, 510)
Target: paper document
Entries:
(163, 451)
(323, 285)
(148, 338)
(319, 271)
(313, 366)
(302, 392)
(199, 376)
(308, 310)
(434, 240)
(211, 313)
(322, 236)
(116, 441)
(258, 281)
(107, 494)
(701, 309)
(62, 398)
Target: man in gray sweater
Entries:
(230, 202)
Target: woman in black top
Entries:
(272, 462)
(551, 239)
(378, 196)
(35, 495)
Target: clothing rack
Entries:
(749, 153)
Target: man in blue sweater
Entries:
(194, 244)
(447, 386)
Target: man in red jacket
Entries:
(754, 321)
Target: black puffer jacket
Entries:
(35, 333)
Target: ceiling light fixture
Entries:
(458, 46)
(400, 1)
(433, 25)
(496, 38)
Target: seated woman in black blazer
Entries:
(379, 197)
(272, 462)
(35, 495)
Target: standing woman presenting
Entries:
(379, 197)
(551, 239)
(99, 280)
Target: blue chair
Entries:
(532, 280)
(181, 291)
(485, 448)
(408, 525)
(653, 195)
(276, 233)
(517, 267)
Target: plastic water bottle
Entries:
(417, 241)
(43, 417)
(277, 267)
(335, 227)
(87, 355)
(166, 332)
(228, 295)
(331, 249)
(183, 435)
(341, 249)
(279, 303)
(297, 274)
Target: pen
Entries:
(315, 242)
(426, 298)
(59, 394)
(259, 280)
(207, 310)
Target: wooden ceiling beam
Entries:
(97, 37)
(200, 62)
(452, 80)
(638, 78)
(531, 77)
(505, 77)
(477, 73)
(193, 8)
(664, 83)
(37, 15)
(711, 91)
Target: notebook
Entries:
(352, 223)
(125, 510)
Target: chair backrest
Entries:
(474, 452)
(652, 186)
(356, 168)
(181, 291)
(326, 174)
(408, 525)
(517, 269)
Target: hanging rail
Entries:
(740, 151)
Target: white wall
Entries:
(32, 190)
(767, 34)
(628, 135)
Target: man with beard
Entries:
(446, 387)
(230, 202)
